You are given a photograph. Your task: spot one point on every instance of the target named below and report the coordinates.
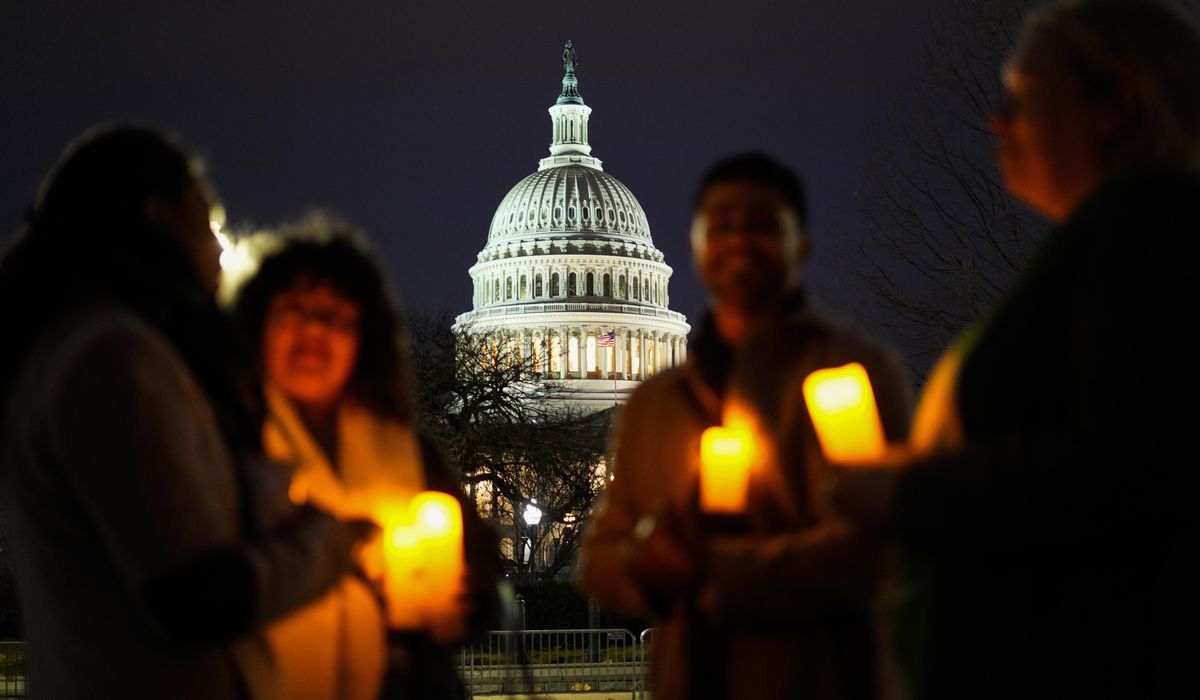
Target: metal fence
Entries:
(12, 670)
(555, 661)
(612, 661)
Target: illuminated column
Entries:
(655, 355)
(642, 354)
(564, 347)
(619, 353)
(581, 352)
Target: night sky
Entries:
(414, 119)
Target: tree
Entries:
(516, 442)
(943, 240)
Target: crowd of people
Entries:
(180, 482)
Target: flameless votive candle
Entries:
(438, 520)
(725, 458)
(843, 411)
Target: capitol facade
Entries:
(569, 280)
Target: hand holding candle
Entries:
(843, 411)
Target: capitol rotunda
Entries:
(570, 280)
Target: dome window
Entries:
(545, 213)
(621, 290)
(572, 290)
(557, 213)
(554, 285)
(571, 213)
(532, 215)
(524, 290)
(586, 209)
(537, 285)
(607, 285)
(591, 284)
(621, 216)
(611, 216)
(520, 216)
(508, 290)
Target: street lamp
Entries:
(532, 514)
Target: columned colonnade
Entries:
(578, 352)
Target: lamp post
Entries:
(532, 515)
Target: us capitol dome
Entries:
(569, 278)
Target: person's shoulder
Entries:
(665, 383)
(107, 342)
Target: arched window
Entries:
(585, 211)
(607, 289)
(646, 289)
(571, 289)
(621, 290)
(524, 292)
(508, 288)
(554, 284)
(537, 285)
(637, 290)
(591, 284)
(496, 290)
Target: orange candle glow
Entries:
(725, 458)
(402, 564)
(437, 518)
(842, 407)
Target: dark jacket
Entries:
(1053, 556)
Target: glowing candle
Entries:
(437, 518)
(401, 552)
(842, 407)
(725, 456)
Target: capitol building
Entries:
(569, 279)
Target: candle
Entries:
(725, 457)
(402, 563)
(842, 407)
(437, 518)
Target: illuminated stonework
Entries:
(568, 261)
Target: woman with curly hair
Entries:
(332, 352)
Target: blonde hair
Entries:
(1142, 49)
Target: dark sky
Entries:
(415, 118)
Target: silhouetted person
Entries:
(741, 616)
(341, 422)
(130, 435)
(1049, 527)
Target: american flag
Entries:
(607, 340)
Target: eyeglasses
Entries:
(292, 313)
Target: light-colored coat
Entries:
(335, 647)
